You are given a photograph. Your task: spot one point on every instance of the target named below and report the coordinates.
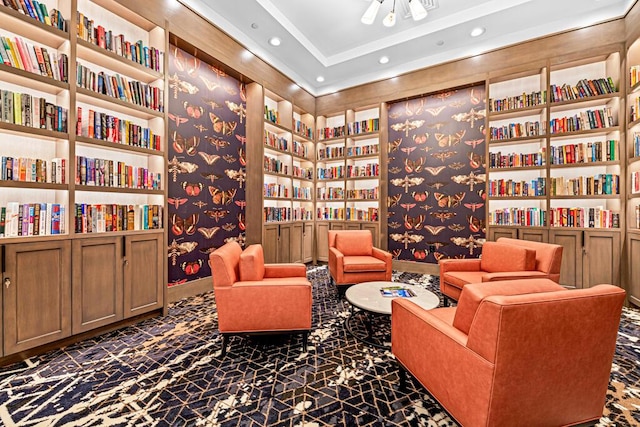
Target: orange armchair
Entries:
(253, 297)
(513, 353)
(505, 259)
(354, 259)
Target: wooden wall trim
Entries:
(205, 36)
(583, 42)
(632, 29)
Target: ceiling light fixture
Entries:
(390, 19)
(478, 31)
(384, 60)
(274, 41)
(320, 79)
(416, 8)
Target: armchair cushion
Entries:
(472, 295)
(497, 257)
(252, 264)
(355, 242)
(363, 263)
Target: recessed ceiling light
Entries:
(254, 26)
(319, 79)
(383, 60)
(440, 42)
(274, 41)
(478, 31)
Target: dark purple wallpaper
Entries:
(437, 173)
(206, 176)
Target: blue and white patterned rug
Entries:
(167, 371)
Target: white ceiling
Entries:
(326, 38)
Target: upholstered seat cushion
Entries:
(358, 242)
(473, 294)
(498, 257)
(461, 278)
(363, 263)
(252, 263)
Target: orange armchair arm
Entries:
(513, 275)
(436, 354)
(459, 265)
(285, 270)
(382, 255)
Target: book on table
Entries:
(397, 291)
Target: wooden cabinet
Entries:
(296, 240)
(284, 242)
(534, 234)
(322, 241)
(374, 228)
(307, 242)
(270, 245)
(633, 255)
(494, 233)
(97, 282)
(572, 243)
(36, 294)
(143, 273)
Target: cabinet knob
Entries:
(7, 282)
(126, 262)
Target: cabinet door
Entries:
(270, 243)
(307, 242)
(296, 242)
(36, 294)
(284, 246)
(143, 273)
(572, 243)
(337, 225)
(373, 228)
(352, 226)
(602, 258)
(322, 241)
(633, 246)
(495, 233)
(533, 235)
(97, 282)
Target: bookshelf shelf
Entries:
(633, 89)
(511, 169)
(586, 102)
(102, 189)
(276, 127)
(633, 196)
(30, 28)
(583, 165)
(587, 132)
(517, 112)
(34, 185)
(118, 147)
(119, 64)
(586, 197)
(633, 123)
(494, 198)
(31, 131)
(519, 140)
(35, 81)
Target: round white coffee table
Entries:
(373, 305)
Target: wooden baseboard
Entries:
(416, 267)
(189, 289)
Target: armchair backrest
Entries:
(351, 242)
(548, 255)
(252, 263)
(543, 344)
(224, 263)
(498, 257)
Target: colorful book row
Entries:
(300, 172)
(362, 150)
(138, 52)
(509, 188)
(38, 11)
(584, 152)
(18, 53)
(331, 152)
(30, 111)
(516, 130)
(301, 128)
(362, 171)
(363, 126)
(105, 127)
(330, 193)
(117, 86)
(275, 190)
(585, 120)
(583, 89)
(33, 170)
(516, 160)
(530, 217)
(32, 219)
(331, 132)
(520, 101)
(275, 141)
(273, 165)
(634, 75)
(280, 214)
(110, 173)
(334, 172)
(105, 218)
(597, 217)
(363, 193)
(600, 184)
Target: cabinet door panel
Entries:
(634, 267)
(533, 235)
(270, 243)
(373, 228)
(284, 246)
(37, 302)
(143, 274)
(97, 283)
(351, 226)
(322, 241)
(296, 242)
(307, 245)
(495, 233)
(571, 268)
(602, 258)
(337, 225)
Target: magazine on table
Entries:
(397, 291)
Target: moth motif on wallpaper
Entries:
(207, 111)
(437, 174)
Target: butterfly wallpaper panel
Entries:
(206, 176)
(437, 174)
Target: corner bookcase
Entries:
(347, 174)
(91, 170)
(556, 166)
